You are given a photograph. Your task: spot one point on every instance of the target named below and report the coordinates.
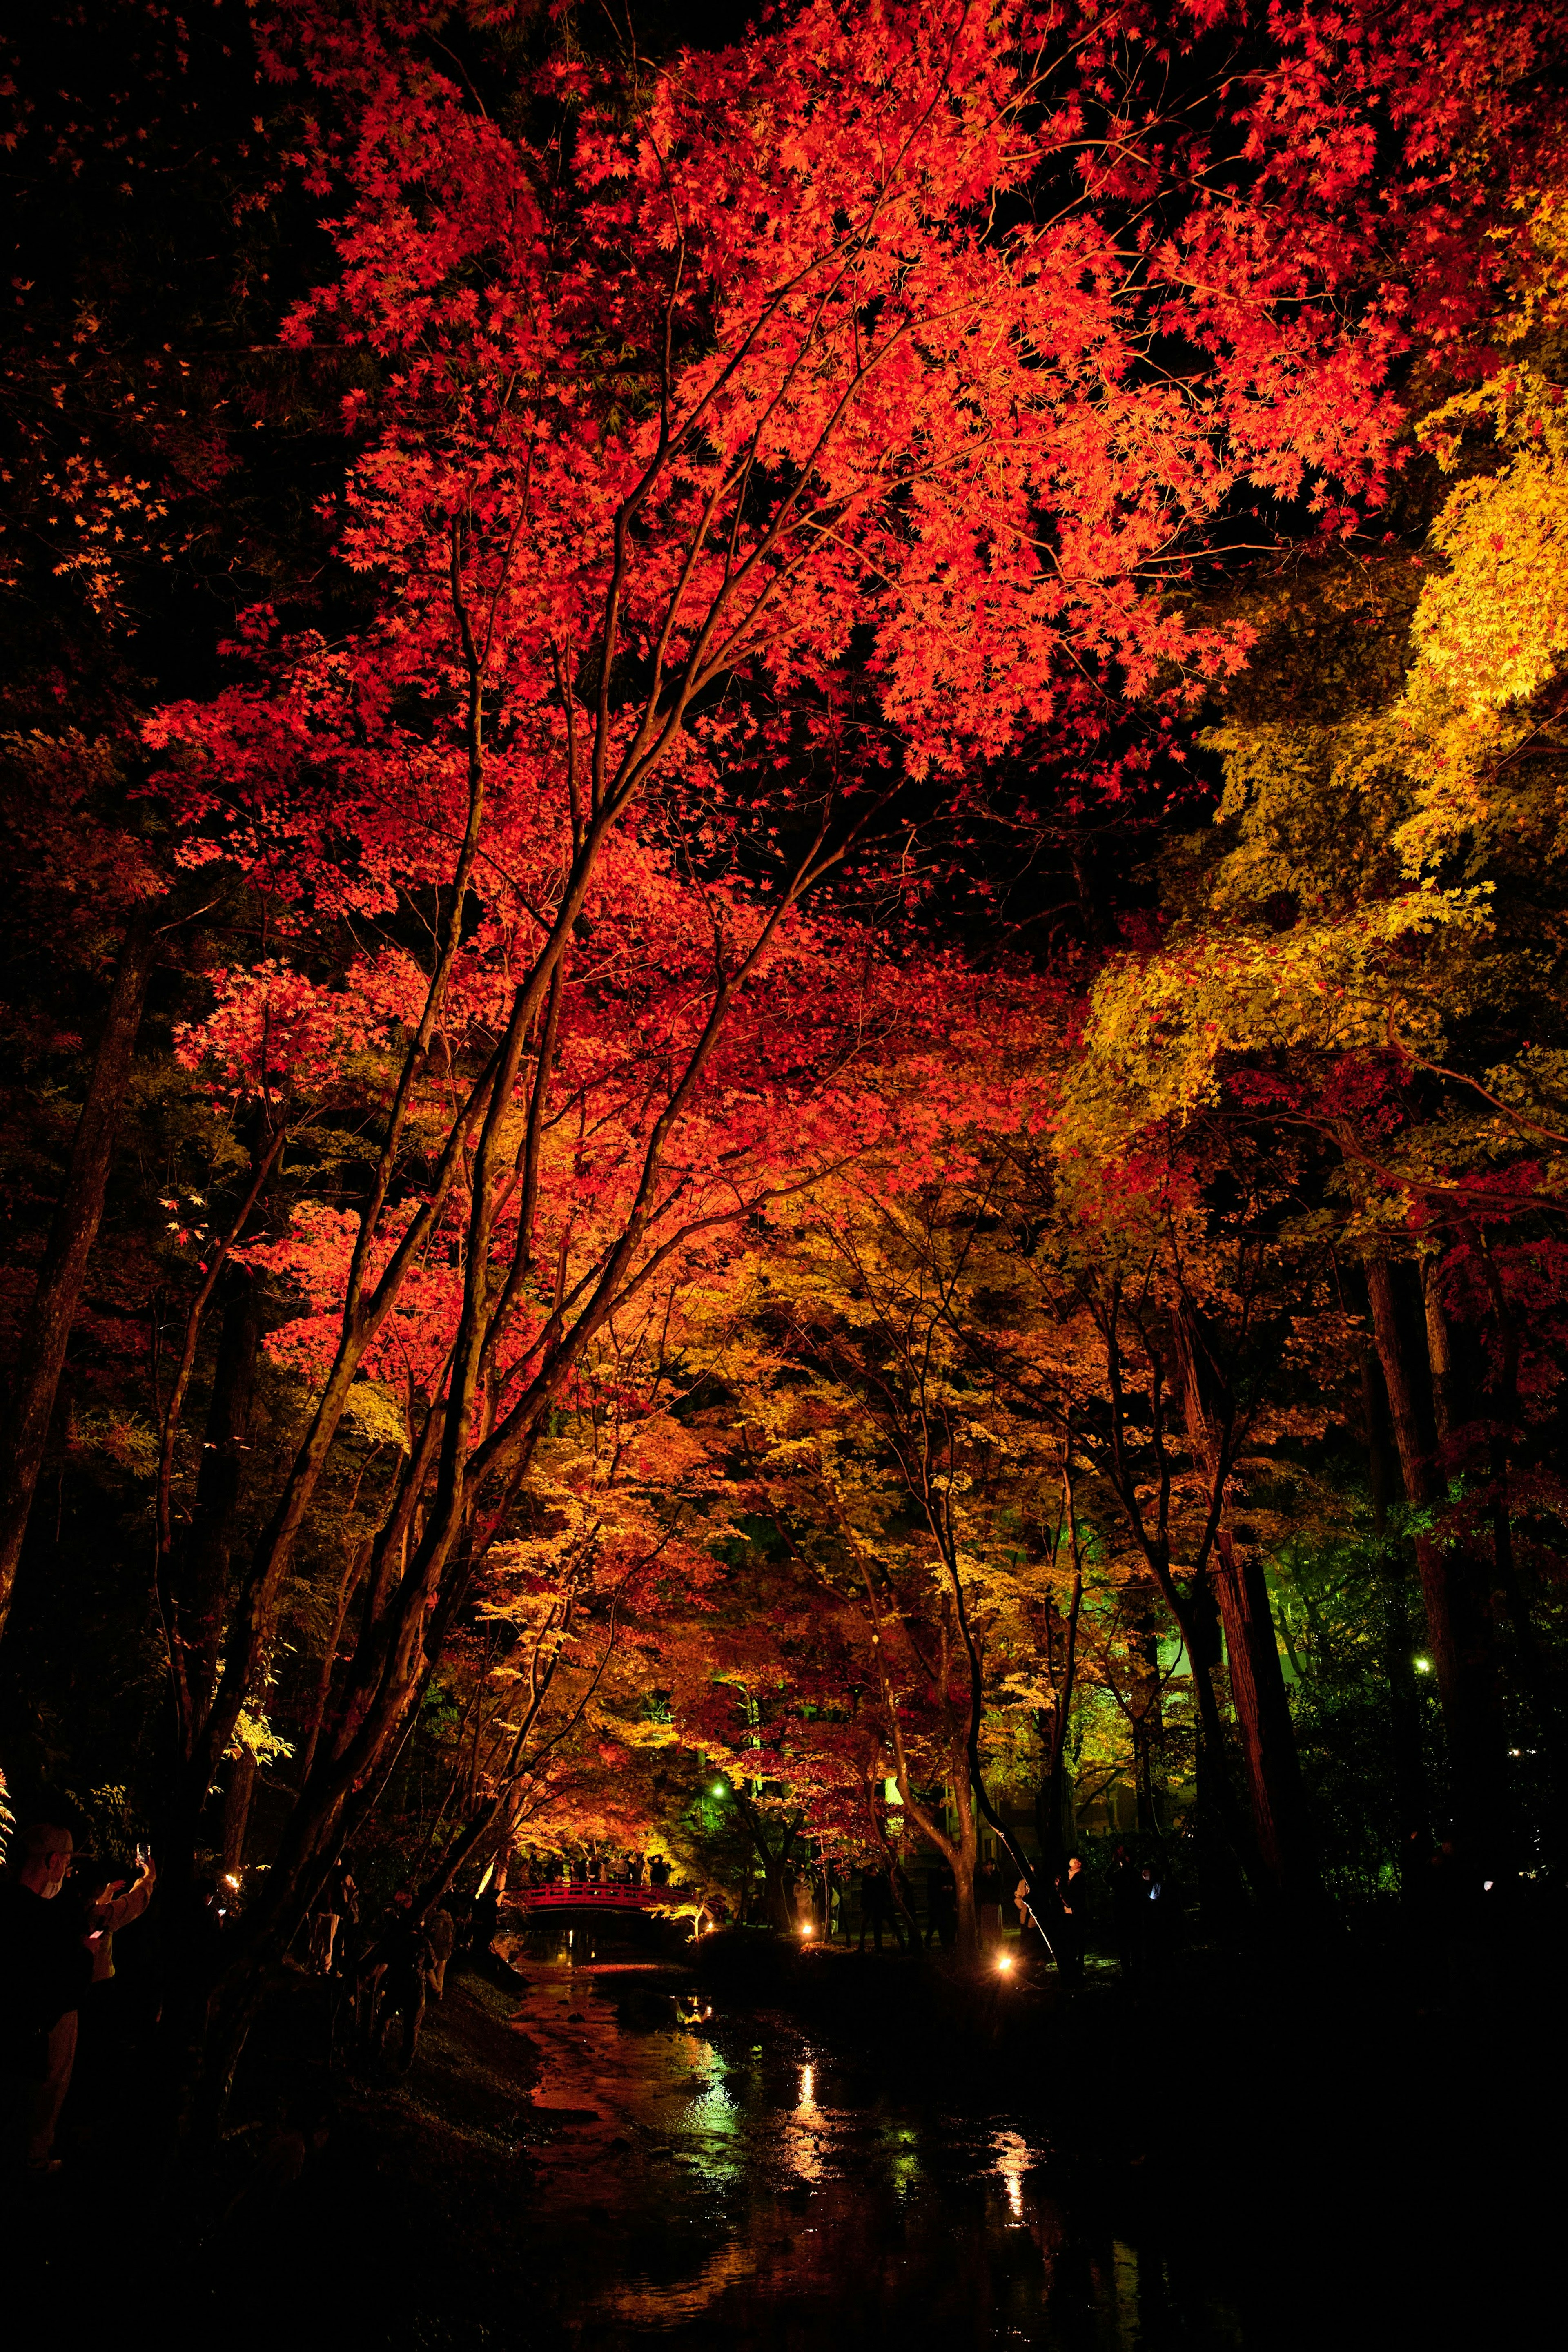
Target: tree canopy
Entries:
(786, 984)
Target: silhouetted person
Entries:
(1157, 1918)
(442, 1934)
(941, 1905)
(905, 1906)
(338, 1897)
(1127, 1905)
(45, 1970)
(1463, 1913)
(405, 1983)
(1030, 1923)
(877, 1909)
(345, 1898)
(486, 1918)
(106, 1906)
(988, 1897)
(1072, 1937)
(659, 1871)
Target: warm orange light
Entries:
(807, 1927)
(1006, 1963)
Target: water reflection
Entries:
(1012, 2161)
(799, 2142)
(717, 2188)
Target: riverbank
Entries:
(333, 2212)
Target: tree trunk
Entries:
(1534, 1669)
(41, 1351)
(1148, 1733)
(1282, 1829)
(1053, 1796)
(1457, 1626)
(1055, 1821)
(236, 1811)
(329, 1660)
(776, 1892)
(963, 1861)
(1263, 1718)
(218, 1481)
(1412, 1799)
(1440, 1356)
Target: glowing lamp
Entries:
(807, 1927)
(1423, 1666)
(1006, 1963)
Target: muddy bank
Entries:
(332, 2212)
(406, 2224)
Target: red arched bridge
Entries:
(591, 1894)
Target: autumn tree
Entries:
(745, 468)
(627, 450)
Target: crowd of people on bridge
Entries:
(589, 1865)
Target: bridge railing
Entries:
(609, 1893)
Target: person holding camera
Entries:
(44, 1972)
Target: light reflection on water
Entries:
(713, 2188)
(1013, 2162)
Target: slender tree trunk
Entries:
(1051, 1800)
(902, 1895)
(776, 1894)
(1148, 1732)
(236, 1811)
(1534, 1669)
(1457, 1626)
(41, 1351)
(1263, 1718)
(329, 1660)
(963, 1858)
(1054, 1820)
(1281, 1828)
(1412, 1797)
(1440, 1356)
(218, 1483)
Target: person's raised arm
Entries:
(119, 1910)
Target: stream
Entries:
(725, 2178)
